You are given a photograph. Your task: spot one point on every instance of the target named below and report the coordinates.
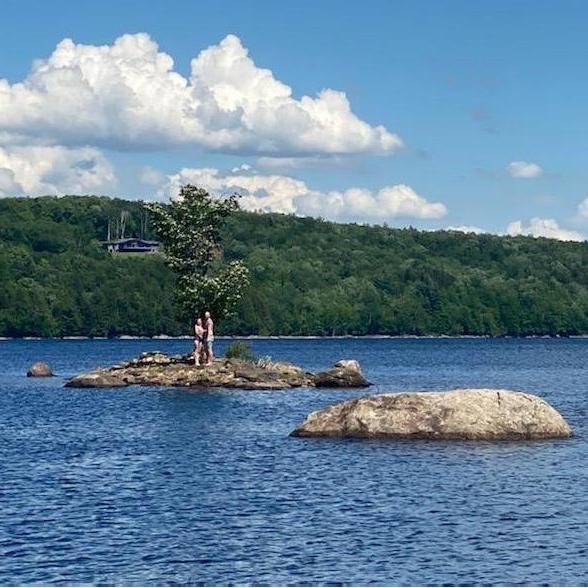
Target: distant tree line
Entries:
(307, 277)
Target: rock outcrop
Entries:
(97, 379)
(159, 369)
(39, 370)
(346, 373)
(459, 414)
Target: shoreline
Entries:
(286, 337)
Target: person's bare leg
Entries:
(197, 354)
(209, 354)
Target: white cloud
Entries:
(467, 229)
(543, 227)
(316, 161)
(31, 171)
(127, 95)
(244, 167)
(583, 208)
(524, 169)
(279, 193)
(152, 177)
(362, 204)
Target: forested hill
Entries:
(309, 277)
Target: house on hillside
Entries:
(131, 245)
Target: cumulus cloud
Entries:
(467, 229)
(32, 171)
(543, 227)
(362, 204)
(583, 208)
(280, 193)
(524, 169)
(127, 95)
(316, 161)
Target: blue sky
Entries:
(469, 88)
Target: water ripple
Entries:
(143, 486)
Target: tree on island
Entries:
(189, 230)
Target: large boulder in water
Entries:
(459, 414)
(346, 373)
(98, 379)
(39, 370)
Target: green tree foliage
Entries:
(189, 230)
(308, 277)
(240, 350)
(56, 279)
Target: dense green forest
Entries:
(308, 277)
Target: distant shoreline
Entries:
(288, 337)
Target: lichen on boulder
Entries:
(455, 415)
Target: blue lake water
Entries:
(142, 486)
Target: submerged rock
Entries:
(459, 414)
(158, 369)
(346, 373)
(39, 370)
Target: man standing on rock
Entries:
(209, 329)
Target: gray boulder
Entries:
(39, 370)
(96, 380)
(459, 414)
(346, 373)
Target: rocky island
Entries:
(159, 369)
(456, 415)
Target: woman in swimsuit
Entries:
(198, 339)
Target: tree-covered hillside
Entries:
(307, 277)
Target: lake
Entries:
(142, 486)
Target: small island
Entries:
(159, 369)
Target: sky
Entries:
(453, 114)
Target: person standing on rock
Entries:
(209, 330)
(198, 340)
